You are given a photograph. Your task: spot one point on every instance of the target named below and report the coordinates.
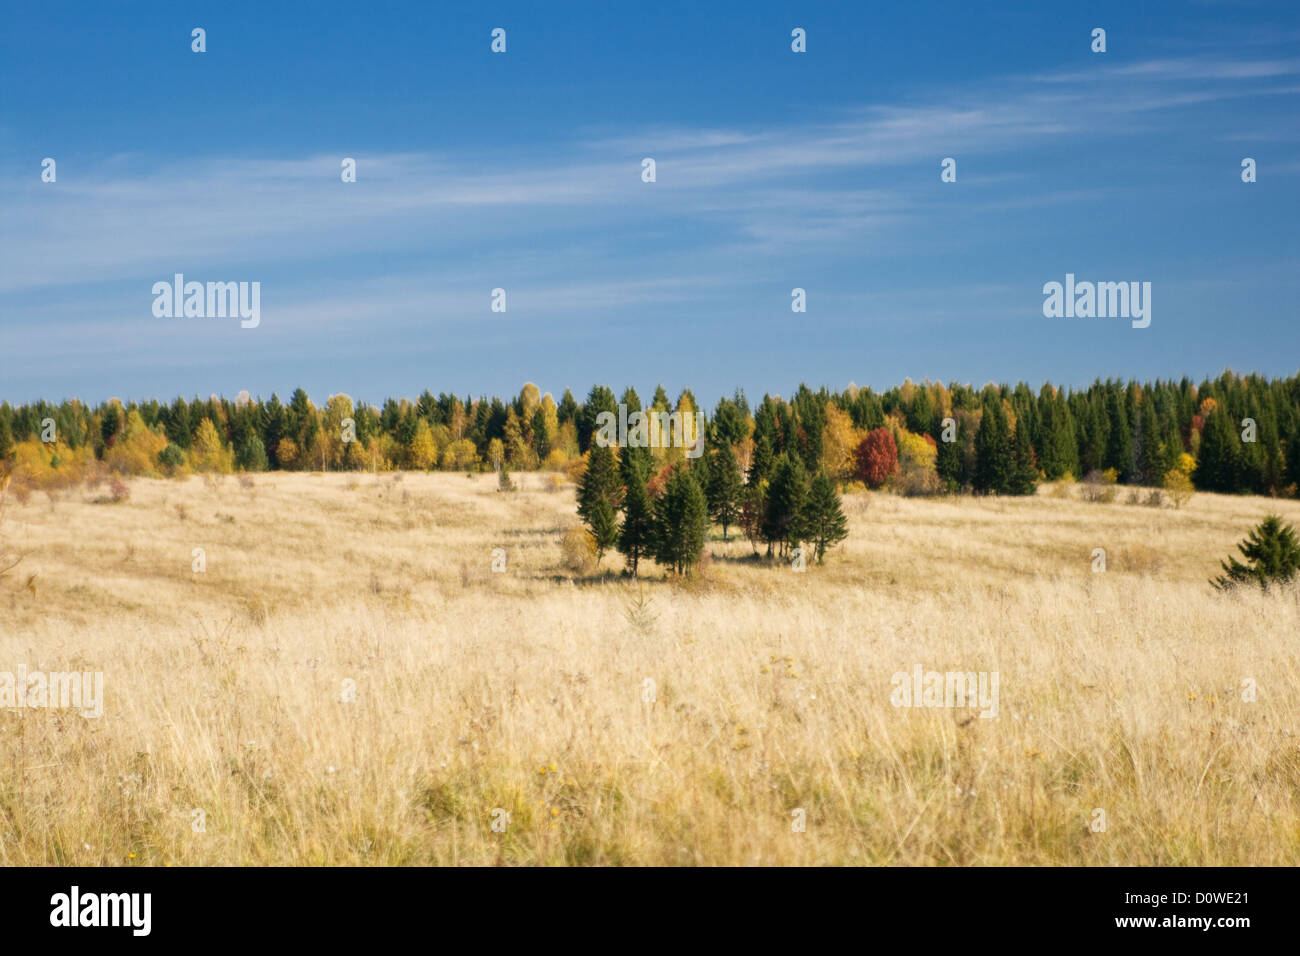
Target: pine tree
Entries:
(635, 538)
(992, 450)
(600, 482)
(1272, 553)
(723, 488)
(949, 465)
(786, 497)
(1023, 477)
(1293, 457)
(1146, 444)
(1216, 466)
(681, 517)
(251, 455)
(1119, 440)
(823, 522)
(603, 525)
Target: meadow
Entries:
(348, 681)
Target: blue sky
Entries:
(522, 171)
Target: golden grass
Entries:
(525, 690)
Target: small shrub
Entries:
(578, 550)
(1100, 486)
(117, 490)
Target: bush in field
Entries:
(1272, 555)
(578, 550)
(1100, 486)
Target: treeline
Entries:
(1229, 434)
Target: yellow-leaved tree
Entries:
(423, 453)
(136, 450)
(840, 441)
(208, 453)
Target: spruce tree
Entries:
(950, 464)
(681, 517)
(635, 538)
(823, 522)
(635, 461)
(1272, 555)
(1216, 466)
(760, 466)
(1119, 439)
(723, 488)
(603, 524)
(600, 482)
(992, 450)
(786, 497)
(1293, 457)
(1146, 444)
(1023, 477)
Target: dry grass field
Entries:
(225, 691)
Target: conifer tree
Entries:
(681, 517)
(1023, 477)
(635, 461)
(760, 466)
(1119, 439)
(992, 450)
(603, 525)
(1272, 554)
(1216, 466)
(823, 522)
(949, 465)
(723, 487)
(1146, 444)
(600, 482)
(786, 497)
(635, 538)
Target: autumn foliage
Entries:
(877, 457)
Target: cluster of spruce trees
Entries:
(665, 517)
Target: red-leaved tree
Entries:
(877, 457)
